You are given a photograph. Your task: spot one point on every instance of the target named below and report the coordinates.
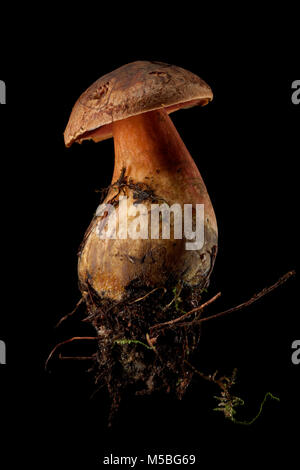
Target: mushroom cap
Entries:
(132, 89)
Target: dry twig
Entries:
(75, 338)
(70, 314)
(249, 302)
(254, 298)
(176, 320)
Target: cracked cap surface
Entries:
(133, 89)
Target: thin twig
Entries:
(149, 293)
(196, 309)
(75, 338)
(209, 378)
(76, 358)
(149, 341)
(70, 314)
(175, 298)
(253, 299)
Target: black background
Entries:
(246, 145)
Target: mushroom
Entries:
(152, 166)
(132, 104)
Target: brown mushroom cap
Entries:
(133, 89)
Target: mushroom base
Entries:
(134, 357)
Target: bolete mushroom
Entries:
(129, 284)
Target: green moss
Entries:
(132, 341)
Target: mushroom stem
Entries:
(152, 151)
(149, 142)
(160, 169)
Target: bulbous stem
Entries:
(150, 149)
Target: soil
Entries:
(131, 356)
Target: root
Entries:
(69, 314)
(77, 358)
(146, 295)
(75, 338)
(249, 302)
(135, 355)
(185, 315)
(130, 357)
(241, 306)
